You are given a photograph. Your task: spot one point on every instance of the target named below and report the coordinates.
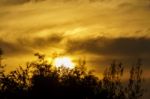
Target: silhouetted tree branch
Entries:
(135, 90)
(39, 79)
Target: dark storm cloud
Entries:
(25, 45)
(110, 47)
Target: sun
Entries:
(64, 62)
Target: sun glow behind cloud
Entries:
(64, 62)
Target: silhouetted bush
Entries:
(42, 80)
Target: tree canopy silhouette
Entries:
(42, 80)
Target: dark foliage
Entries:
(41, 80)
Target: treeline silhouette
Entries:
(39, 79)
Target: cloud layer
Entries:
(112, 47)
(104, 29)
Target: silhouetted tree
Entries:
(1, 66)
(135, 90)
(1, 72)
(39, 79)
(44, 81)
(112, 81)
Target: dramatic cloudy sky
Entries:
(96, 30)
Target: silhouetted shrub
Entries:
(41, 80)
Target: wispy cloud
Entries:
(13, 49)
(27, 45)
(101, 28)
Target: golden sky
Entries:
(97, 30)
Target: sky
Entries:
(98, 31)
